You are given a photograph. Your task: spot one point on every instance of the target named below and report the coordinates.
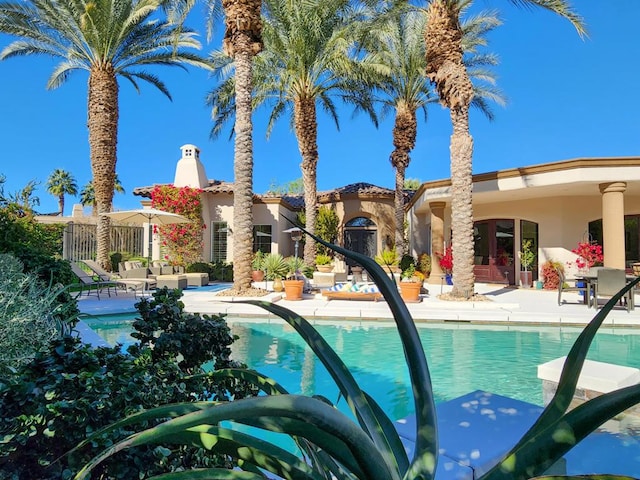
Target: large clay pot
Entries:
(293, 289)
(410, 291)
(257, 275)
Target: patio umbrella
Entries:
(141, 216)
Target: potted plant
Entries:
(389, 260)
(275, 268)
(257, 273)
(446, 263)
(411, 284)
(293, 285)
(589, 254)
(527, 257)
(324, 263)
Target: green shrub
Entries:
(30, 314)
(322, 259)
(407, 261)
(72, 390)
(274, 266)
(424, 264)
(202, 267)
(222, 271)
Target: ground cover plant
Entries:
(71, 390)
(334, 446)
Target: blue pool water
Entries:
(462, 358)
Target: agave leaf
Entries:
(424, 463)
(568, 381)
(298, 428)
(250, 449)
(584, 477)
(371, 420)
(298, 407)
(209, 474)
(267, 384)
(549, 445)
(166, 411)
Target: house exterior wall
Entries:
(562, 198)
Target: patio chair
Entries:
(89, 284)
(135, 284)
(611, 281)
(563, 286)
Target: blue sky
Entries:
(567, 98)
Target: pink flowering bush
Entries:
(182, 242)
(446, 259)
(589, 253)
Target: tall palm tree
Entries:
(446, 69)
(242, 41)
(107, 38)
(398, 46)
(88, 197)
(59, 184)
(305, 63)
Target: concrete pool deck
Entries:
(505, 305)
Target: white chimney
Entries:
(189, 170)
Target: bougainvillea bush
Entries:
(182, 242)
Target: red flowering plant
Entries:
(589, 253)
(182, 242)
(446, 259)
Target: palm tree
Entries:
(108, 39)
(87, 194)
(305, 63)
(59, 184)
(446, 69)
(398, 46)
(242, 41)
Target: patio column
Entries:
(613, 223)
(437, 239)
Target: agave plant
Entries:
(333, 445)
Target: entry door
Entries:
(361, 241)
(494, 251)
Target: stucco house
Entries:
(555, 205)
(365, 212)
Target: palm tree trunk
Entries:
(243, 167)
(103, 137)
(398, 202)
(61, 204)
(461, 203)
(405, 131)
(307, 133)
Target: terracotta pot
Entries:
(410, 291)
(293, 289)
(257, 275)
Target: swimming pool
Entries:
(462, 357)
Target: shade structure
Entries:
(149, 216)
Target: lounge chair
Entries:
(89, 284)
(133, 283)
(353, 292)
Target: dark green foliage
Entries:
(222, 271)
(168, 331)
(327, 228)
(116, 258)
(405, 261)
(202, 267)
(50, 405)
(39, 248)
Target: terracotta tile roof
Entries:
(295, 201)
